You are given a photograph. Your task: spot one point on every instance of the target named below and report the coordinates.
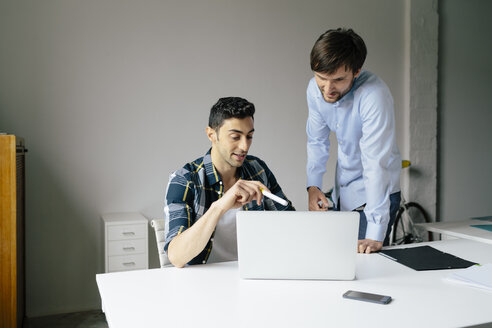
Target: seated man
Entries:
(203, 197)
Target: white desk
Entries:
(461, 229)
(213, 295)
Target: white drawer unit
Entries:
(127, 231)
(127, 262)
(125, 242)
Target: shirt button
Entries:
(211, 239)
(341, 142)
(338, 125)
(203, 262)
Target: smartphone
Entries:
(361, 296)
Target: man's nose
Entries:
(244, 144)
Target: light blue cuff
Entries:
(375, 231)
(315, 180)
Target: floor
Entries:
(90, 319)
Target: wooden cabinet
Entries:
(125, 242)
(12, 205)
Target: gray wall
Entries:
(465, 109)
(111, 96)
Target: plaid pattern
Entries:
(193, 188)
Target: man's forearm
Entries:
(186, 246)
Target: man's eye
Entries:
(235, 138)
(249, 137)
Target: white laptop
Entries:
(297, 245)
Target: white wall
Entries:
(465, 109)
(111, 96)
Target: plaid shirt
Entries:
(193, 188)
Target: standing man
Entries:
(358, 106)
(203, 197)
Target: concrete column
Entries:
(424, 22)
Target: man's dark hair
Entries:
(336, 48)
(229, 107)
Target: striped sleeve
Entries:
(178, 205)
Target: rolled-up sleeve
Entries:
(178, 207)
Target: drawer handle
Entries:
(129, 233)
(129, 263)
(128, 248)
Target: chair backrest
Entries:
(158, 225)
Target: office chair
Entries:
(158, 225)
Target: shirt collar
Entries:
(213, 175)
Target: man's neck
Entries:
(226, 171)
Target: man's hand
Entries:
(317, 200)
(186, 246)
(241, 193)
(369, 246)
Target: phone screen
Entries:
(361, 296)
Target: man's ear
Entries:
(211, 134)
(357, 73)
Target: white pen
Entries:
(273, 197)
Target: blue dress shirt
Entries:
(369, 162)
